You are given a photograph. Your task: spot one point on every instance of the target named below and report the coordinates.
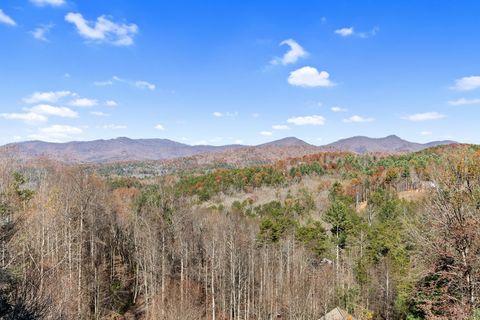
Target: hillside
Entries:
(220, 229)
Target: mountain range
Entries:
(126, 149)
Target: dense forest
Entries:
(381, 236)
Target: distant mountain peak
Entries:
(392, 136)
(287, 142)
(123, 139)
(388, 144)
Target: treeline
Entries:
(75, 245)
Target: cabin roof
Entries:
(337, 314)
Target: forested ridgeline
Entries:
(391, 237)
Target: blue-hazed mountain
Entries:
(389, 144)
(119, 149)
(126, 149)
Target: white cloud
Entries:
(99, 114)
(426, 133)
(160, 127)
(27, 117)
(280, 127)
(314, 120)
(238, 141)
(144, 85)
(40, 32)
(424, 116)
(50, 96)
(48, 110)
(463, 102)
(229, 114)
(309, 77)
(83, 103)
(338, 109)
(53, 3)
(40, 113)
(114, 126)
(6, 19)
(266, 133)
(217, 114)
(141, 84)
(56, 132)
(291, 56)
(103, 30)
(255, 115)
(345, 32)
(467, 83)
(358, 119)
(111, 103)
(103, 83)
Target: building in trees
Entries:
(337, 314)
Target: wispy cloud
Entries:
(50, 96)
(292, 55)
(467, 83)
(41, 32)
(104, 30)
(48, 110)
(314, 120)
(338, 109)
(463, 102)
(83, 103)
(27, 117)
(344, 32)
(6, 19)
(145, 85)
(141, 84)
(53, 3)
(426, 133)
(160, 127)
(111, 103)
(350, 31)
(42, 108)
(266, 133)
(99, 114)
(358, 119)
(309, 77)
(228, 114)
(426, 116)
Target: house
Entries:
(338, 314)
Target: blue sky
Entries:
(222, 72)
